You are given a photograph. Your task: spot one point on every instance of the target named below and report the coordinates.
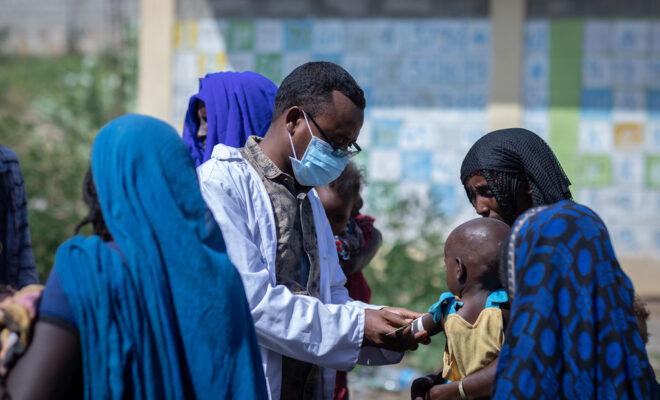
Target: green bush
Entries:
(50, 110)
(408, 271)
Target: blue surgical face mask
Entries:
(318, 166)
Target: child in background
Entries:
(356, 237)
(474, 314)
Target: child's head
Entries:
(340, 197)
(472, 254)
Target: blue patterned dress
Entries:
(17, 267)
(572, 332)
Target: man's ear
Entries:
(461, 271)
(292, 118)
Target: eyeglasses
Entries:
(338, 151)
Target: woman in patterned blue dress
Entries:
(573, 333)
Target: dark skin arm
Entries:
(364, 257)
(421, 386)
(49, 366)
(477, 385)
(382, 329)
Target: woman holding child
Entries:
(588, 311)
(572, 331)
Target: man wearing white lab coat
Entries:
(279, 239)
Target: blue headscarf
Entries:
(572, 332)
(238, 104)
(17, 267)
(165, 316)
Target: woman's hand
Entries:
(18, 311)
(479, 384)
(421, 386)
(447, 391)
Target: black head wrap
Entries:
(508, 158)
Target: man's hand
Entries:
(409, 315)
(381, 329)
(422, 337)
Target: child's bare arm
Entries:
(428, 324)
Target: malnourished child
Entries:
(474, 313)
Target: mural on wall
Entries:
(595, 99)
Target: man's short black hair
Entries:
(310, 86)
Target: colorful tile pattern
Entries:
(603, 114)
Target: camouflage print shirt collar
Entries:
(268, 169)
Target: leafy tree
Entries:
(50, 110)
(408, 270)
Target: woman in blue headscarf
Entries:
(573, 332)
(149, 306)
(230, 107)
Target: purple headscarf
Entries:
(238, 104)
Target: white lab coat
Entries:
(326, 332)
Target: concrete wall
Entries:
(57, 27)
(197, 9)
